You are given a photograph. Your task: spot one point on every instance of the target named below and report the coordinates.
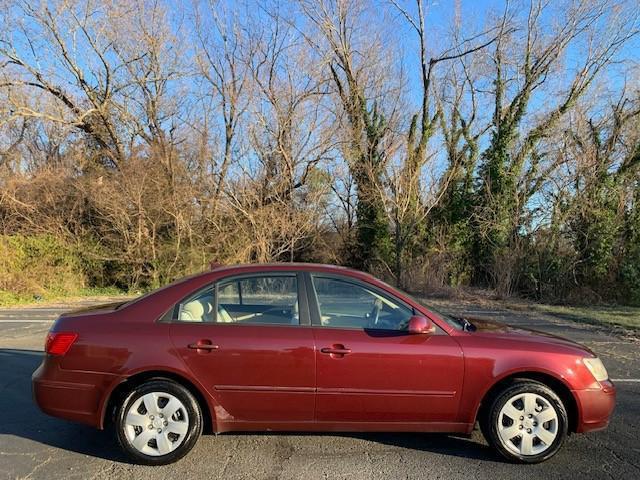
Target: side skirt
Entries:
(249, 426)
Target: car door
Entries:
(369, 368)
(246, 341)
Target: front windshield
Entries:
(455, 322)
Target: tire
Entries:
(158, 422)
(526, 422)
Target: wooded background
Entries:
(492, 144)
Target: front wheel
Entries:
(158, 422)
(526, 422)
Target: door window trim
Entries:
(314, 304)
(304, 319)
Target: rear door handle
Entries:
(338, 350)
(203, 346)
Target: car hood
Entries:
(494, 329)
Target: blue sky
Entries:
(473, 15)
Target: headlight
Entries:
(596, 368)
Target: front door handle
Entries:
(336, 350)
(203, 346)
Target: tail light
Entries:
(59, 343)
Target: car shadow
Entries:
(440, 443)
(451, 445)
(26, 421)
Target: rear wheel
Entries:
(526, 422)
(158, 422)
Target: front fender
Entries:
(487, 367)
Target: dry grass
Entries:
(98, 295)
(618, 316)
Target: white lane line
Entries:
(626, 380)
(27, 321)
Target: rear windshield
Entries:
(152, 292)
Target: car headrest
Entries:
(192, 311)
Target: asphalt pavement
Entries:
(34, 446)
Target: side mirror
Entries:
(421, 325)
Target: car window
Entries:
(345, 304)
(261, 299)
(198, 307)
(229, 293)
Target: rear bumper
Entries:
(595, 407)
(69, 394)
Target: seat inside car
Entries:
(201, 310)
(197, 310)
(192, 311)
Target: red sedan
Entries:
(301, 347)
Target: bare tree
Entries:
(64, 50)
(292, 134)
(410, 211)
(369, 99)
(224, 56)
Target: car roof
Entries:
(275, 266)
(221, 271)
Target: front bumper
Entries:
(595, 407)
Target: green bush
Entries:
(38, 265)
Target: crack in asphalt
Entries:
(613, 453)
(37, 467)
